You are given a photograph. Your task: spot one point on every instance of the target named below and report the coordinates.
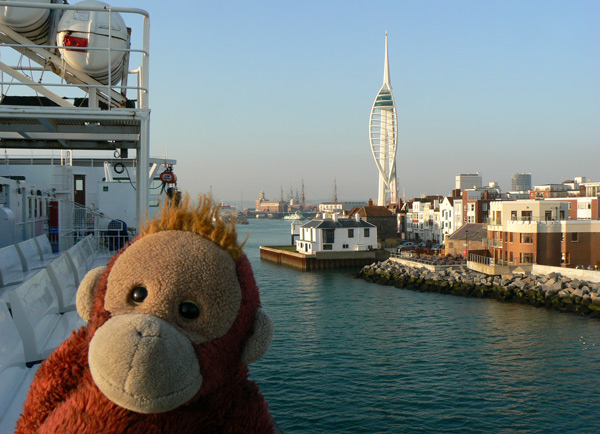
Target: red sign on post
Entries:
(168, 177)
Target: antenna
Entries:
(335, 190)
(303, 197)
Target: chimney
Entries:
(357, 217)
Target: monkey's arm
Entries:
(53, 381)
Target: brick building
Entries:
(538, 232)
(384, 219)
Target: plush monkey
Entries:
(173, 321)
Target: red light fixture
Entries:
(74, 41)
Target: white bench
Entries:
(36, 315)
(31, 255)
(92, 250)
(63, 278)
(15, 376)
(79, 261)
(11, 270)
(45, 247)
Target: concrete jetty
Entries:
(553, 290)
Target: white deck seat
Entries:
(42, 328)
(11, 267)
(15, 376)
(92, 250)
(15, 407)
(45, 247)
(31, 255)
(79, 261)
(62, 276)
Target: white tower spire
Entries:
(386, 65)
(383, 136)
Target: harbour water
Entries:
(353, 357)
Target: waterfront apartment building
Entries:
(539, 232)
(423, 220)
(581, 208)
(548, 191)
(451, 212)
(336, 235)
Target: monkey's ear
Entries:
(85, 293)
(260, 339)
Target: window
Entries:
(575, 237)
(513, 215)
(562, 214)
(526, 238)
(484, 207)
(344, 246)
(327, 247)
(328, 236)
(367, 233)
(510, 237)
(350, 233)
(526, 216)
(548, 216)
(511, 257)
(526, 258)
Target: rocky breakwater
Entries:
(552, 290)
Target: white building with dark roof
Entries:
(336, 234)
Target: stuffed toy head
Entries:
(173, 321)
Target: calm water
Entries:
(354, 357)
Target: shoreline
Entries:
(552, 291)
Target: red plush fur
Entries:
(64, 399)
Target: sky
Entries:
(251, 96)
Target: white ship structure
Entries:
(72, 80)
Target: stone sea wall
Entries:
(553, 290)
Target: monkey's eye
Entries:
(189, 310)
(138, 294)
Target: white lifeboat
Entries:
(33, 23)
(80, 30)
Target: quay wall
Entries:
(319, 261)
(552, 290)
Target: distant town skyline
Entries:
(251, 96)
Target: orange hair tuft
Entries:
(202, 219)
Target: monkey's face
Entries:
(166, 293)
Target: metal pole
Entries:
(141, 174)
